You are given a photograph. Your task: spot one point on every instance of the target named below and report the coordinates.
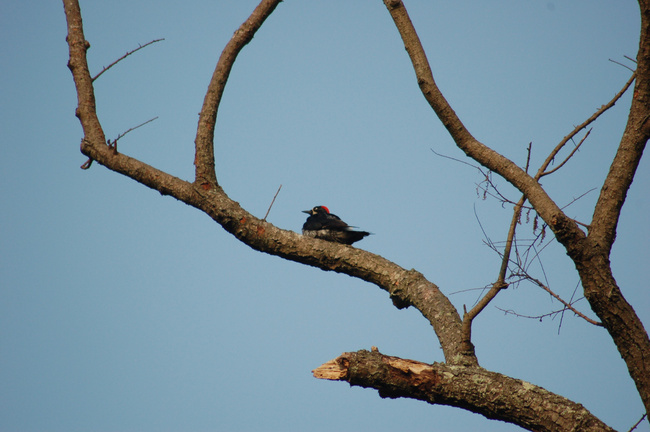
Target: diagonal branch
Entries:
(204, 158)
(566, 304)
(565, 229)
(566, 159)
(542, 169)
(500, 283)
(125, 56)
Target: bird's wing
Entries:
(334, 222)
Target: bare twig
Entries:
(457, 160)
(567, 305)
(630, 59)
(125, 56)
(500, 283)
(621, 64)
(575, 149)
(274, 197)
(113, 144)
(537, 317)
(583, 125)
(570, 301)
(638, 423)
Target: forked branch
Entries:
(542, 169)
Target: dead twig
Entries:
(274, 197)
(566, 304)
(637, 423)
(581, 126)
(113, 144)
(575, 149)
(125, 56)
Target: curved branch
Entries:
(490, 394)
(406, 287)
(204, 158)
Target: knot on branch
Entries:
(399, 291)
(393, 4)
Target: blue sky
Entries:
(122, 310)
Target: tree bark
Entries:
(490, 394)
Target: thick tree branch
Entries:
(86, 108)
(600, 287)
(406, 287)
(490, 394)
(590, 255)
(204, 158)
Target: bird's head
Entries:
(317, 210)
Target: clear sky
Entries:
(122, 310)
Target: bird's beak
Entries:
(307, 211)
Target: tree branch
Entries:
(600, 287)
(125, 56)
(86, 108)
(541, 172)
(406, 287)
(567, 305)
(500, 283)
(590, 255)
(490, 394)
(204, 158)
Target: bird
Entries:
(324, 225)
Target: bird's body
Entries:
(324, 225)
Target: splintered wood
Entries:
(332, 370)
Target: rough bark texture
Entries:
(460, 382)
(491, 394)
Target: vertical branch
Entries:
(78, 65)
(500, 283)
(204, 157)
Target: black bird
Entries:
(324, 225)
